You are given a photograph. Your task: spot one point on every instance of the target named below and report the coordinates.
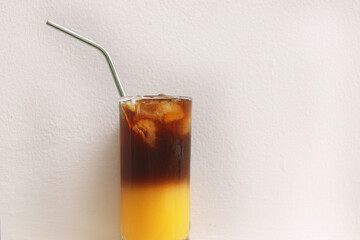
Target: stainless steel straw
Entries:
(98, 46)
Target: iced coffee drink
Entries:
(155, 140)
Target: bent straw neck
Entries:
(99, 47)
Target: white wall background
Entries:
(276, 114)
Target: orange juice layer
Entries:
(155, 212)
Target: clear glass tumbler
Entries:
(155, 140)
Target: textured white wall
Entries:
(276, 114)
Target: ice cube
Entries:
(146, 109)
(171, 111)
(165, 111)
(184, 126)
(131, 106)
(146, 128)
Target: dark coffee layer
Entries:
(154, 156)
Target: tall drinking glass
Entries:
(155, 139)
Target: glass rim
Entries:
(155, 97)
